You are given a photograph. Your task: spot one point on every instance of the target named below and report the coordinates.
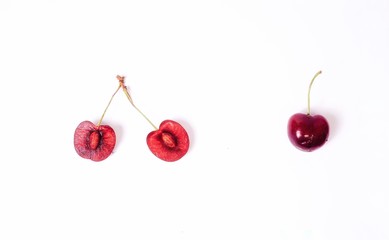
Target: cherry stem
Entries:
(109, 103)
(121, 82)
(309, 92)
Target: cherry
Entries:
(308, 132)
(169, 142)
(95, 142)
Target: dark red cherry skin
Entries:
(170, 142)
(307, 132)
(94, 142)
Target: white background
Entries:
(232, 73)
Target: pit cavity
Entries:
(94, 139)
(169, 140)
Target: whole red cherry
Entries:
(308, 132)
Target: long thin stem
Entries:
(109, 103)
(309, 92)
(121, 81)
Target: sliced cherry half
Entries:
(308, 132)
(94, 142)
(170, 142)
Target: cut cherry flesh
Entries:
(170, 142)
(307, 132)
(94, 142)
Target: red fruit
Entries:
(170, 142)
(308, 132)
(94, 142)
